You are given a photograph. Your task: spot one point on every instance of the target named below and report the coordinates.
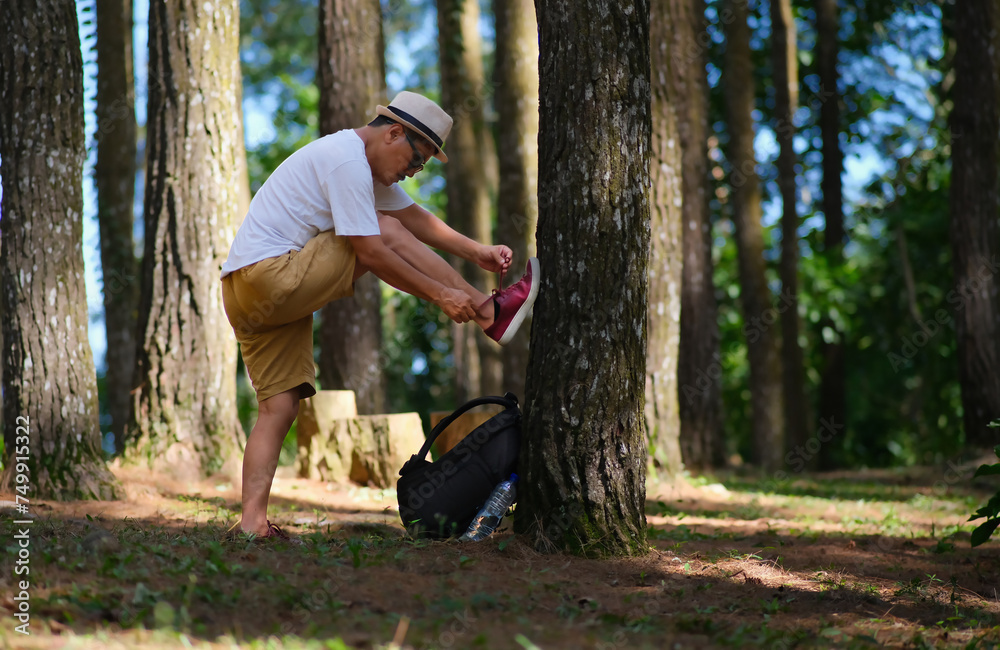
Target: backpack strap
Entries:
(509, 400)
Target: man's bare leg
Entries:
(419, 256)
(260, 459)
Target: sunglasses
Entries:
(417, 160)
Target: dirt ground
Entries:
(870, 559)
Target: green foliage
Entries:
(991, 511)
(891, 300)
(896, 312)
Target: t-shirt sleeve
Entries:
(391, 198)
(352, 200)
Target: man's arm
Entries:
(373, 254)
(437, 234)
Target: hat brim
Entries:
(439, 154)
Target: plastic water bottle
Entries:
(489, 516)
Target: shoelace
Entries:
(500, 277)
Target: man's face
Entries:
(407, 154)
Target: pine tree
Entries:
(975, 122)
(516, 101)
(755, 297)
(665, 253)
(584, 447)
(698, 365)
(464, 94)
(184, 415)
(49, 385)
(114, 177)
(351, 80)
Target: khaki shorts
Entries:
(270, 305)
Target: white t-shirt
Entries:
(325, 185)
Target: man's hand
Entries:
(494, 258)
(457, 305)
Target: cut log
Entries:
(463, 426)
(365, 449)
(323, 407)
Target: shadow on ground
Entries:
(726, 568)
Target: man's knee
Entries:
(283, 405)
(391, 229)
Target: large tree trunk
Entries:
(832, 394)
(516, 101)
(584, 451)
(464, 93)
(699, 368)
(184, 416)
(784, 55)
(665, 254)
(975, 123)
(49, 383)
(114, 177)
(351, 80)
(758, 314)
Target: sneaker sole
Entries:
(522, 312)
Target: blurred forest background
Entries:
(877, 380)
(903, 401)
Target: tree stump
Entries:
(337, 444)
(461, 427)
(314, 414)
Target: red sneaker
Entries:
(513, 304)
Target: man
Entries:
(329, 214)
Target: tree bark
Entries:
(975, 123)
(516, 101)
(699, 368)
(464, 93)
(50, 413)
(662, 417)
(351, 80)
(184, 419)
(833, 396)
(758, 314)
(114, 178)
(584, 451)
(784, 56)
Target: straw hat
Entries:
(423, 116)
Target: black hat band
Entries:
(420, 125)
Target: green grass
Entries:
(848, 565)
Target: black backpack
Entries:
(440, 499)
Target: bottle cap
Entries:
(513, 478)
